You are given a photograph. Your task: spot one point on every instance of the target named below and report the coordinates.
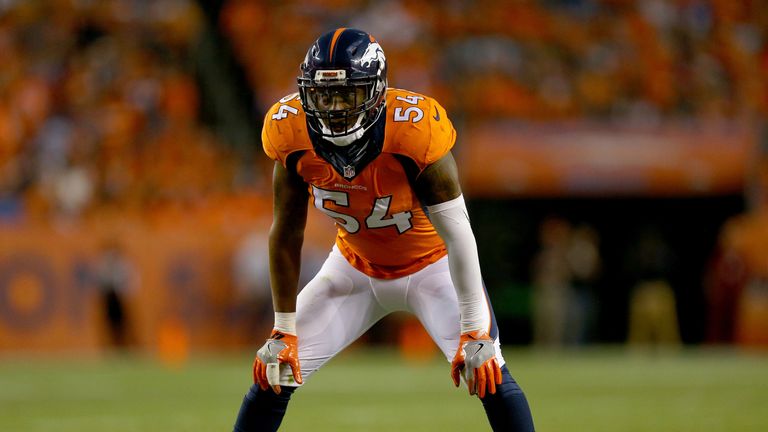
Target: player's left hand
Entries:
(476, 360)
(280, 348)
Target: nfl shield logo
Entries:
(349, 171)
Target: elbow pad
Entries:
(451, 221)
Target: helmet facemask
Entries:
(341, 109)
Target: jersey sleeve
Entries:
(442, 133)
(268, 133)
(425, 133)
(284, 127)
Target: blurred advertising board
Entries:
(183, 281)
(583, 159)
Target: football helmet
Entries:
(342, 87)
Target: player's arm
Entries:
(437, 187)
(286, 238)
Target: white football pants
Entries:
(341, 303)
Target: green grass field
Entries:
(375, 390)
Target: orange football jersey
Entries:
(382, 228)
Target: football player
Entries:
(378, 161)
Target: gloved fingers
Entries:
(456, 373)
(273, 376)
(491, 377)
(273, 373)
(497, 372)
(261, 375)
(481, 381)
(472, 381)
(296, 370)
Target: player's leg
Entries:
(508, 409)
(332, 311)
(432, 298)
(263, 410)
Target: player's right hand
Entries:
(280, 348)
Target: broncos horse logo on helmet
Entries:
(342, 87)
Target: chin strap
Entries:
(344, 140)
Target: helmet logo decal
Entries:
(373, 52)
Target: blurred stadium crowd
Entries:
(551, 59)
(99, 109)
(105, 106)
(100, 105)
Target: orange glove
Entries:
(476, 360)
(280, 348)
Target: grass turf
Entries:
(375, 390)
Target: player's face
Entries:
(338, 99)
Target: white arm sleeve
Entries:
(451, 221)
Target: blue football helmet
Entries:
(343, 84)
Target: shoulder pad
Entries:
(417, 127)
(285, 129)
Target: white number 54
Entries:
(377, 219)
(405, 115)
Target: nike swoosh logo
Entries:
(437, 115)
(478, 349)
(278, 336)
